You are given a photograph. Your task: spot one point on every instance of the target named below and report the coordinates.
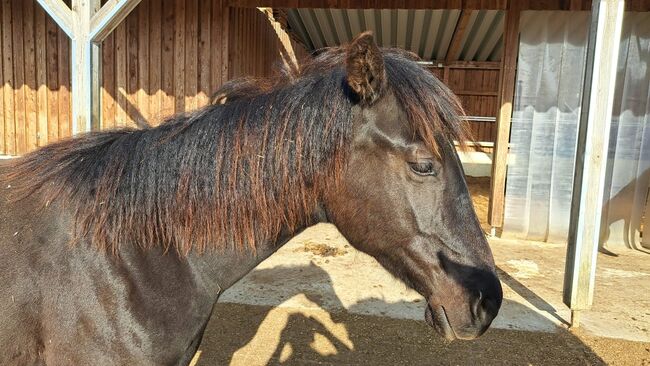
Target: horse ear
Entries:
(365, 68)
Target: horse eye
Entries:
(423, 168)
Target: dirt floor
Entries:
(318, 338)
(320, 302)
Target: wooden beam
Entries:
(87, 23)
(645, 240)
(462, 27)
(85, 95)
(60, 13)
(110, 16)
(482, 65)
(371, 4)
(591, 154)
(504, 114)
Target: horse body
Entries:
(138, 307)
(115, 246)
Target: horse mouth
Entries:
(436, 317)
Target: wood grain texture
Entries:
(504, 114)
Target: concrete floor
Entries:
(319, 301)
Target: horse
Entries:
(115, 245)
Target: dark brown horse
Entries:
(114, 246)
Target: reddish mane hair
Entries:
(233, 174)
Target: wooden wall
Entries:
(477, 86)
(257, 46)
(166, 57)
(35, 74)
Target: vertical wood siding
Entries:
(477, 87)
(259, 47)
(167, 57)
(35, 74)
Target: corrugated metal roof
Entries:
(428, 33)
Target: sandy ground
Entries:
(479, 188)
(319, 301)
(244, 335)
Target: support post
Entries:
(645, 241)
(507, 78)
(87, 24)
(82, 67)
(591, 155)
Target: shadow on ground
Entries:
(241, 334)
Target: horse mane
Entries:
(245, 169)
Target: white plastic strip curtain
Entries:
(545, 116)
(628, 173)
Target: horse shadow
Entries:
(324, 332)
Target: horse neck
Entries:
(221, 269)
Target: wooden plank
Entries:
(108, 83)
(215, 47)
(2, 87)
(60, 13)
(133, 115)
(459, 33)
(31, 130)
(19, 78)
(645, 235)
(155, 63)
(506, 96)
(477, 93)
(225, 43)
(591, 154)
(106, 19)
(65, 106)
(8, 74)
(52, 73)
(179, 56)
(191, 62)
(41, 74)
(204, 53)
(373, 4)
(121, 118)
(95, 65)
(143, 91)
(168, 53)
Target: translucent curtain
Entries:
(545, 116)
(628, 171)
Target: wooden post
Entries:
(591, 155)
(645, 241)
(87, 24)
(504, 114)
(82, 66)
(456, 43)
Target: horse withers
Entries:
(115, 246)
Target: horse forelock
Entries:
(239, 172)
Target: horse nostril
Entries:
(476, 306)
(484, 309)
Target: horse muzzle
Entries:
(457, 320)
